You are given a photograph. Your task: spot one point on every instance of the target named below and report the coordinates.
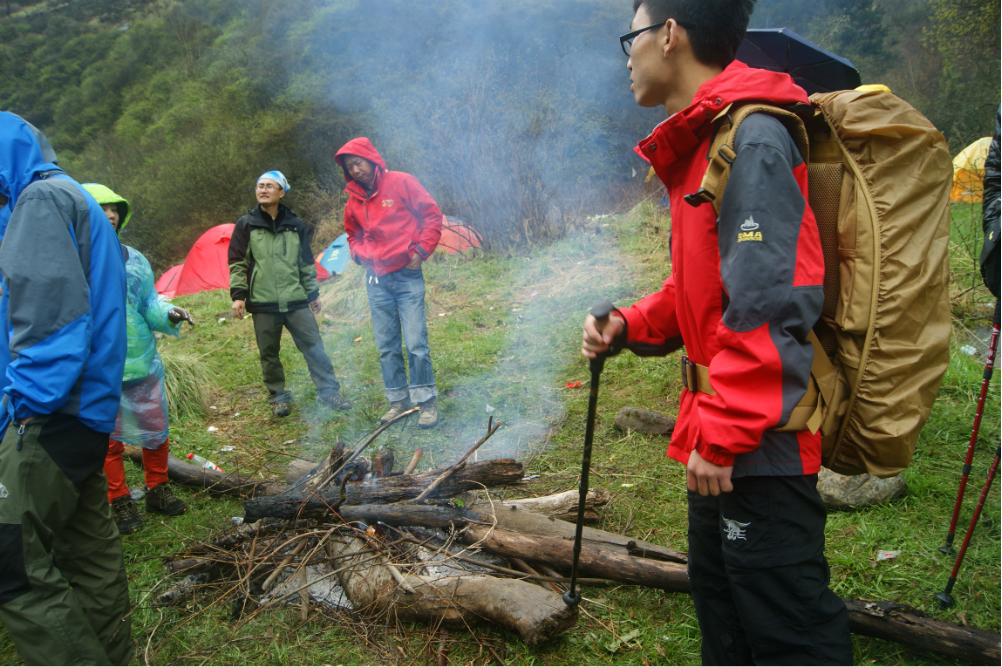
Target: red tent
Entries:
(457, 236)
(205, 268)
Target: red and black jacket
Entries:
(396, 220)
(745, 289)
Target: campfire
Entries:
(443, 547)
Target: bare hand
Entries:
(705, 478)
(315, 306)
(177, 314)
(415, 262)
(239, 309)
(595, 341)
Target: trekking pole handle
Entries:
(600, 310)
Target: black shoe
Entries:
(161, 500)
(335, 402)
(281, 410)
(125, 515)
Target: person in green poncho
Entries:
(142, 415)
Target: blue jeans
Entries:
(396, 302)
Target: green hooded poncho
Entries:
(142, 416)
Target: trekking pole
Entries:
(945, 599)
(600, 311)
(992, 347)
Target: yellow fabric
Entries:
(650, 175)
(873, 88)
(969, 172)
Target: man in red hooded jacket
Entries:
(745, 291)
(393, 226)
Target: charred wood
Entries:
(500, 472)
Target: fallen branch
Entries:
(213, 481)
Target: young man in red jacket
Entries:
(745, 291)
(393, 226)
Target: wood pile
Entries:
(427, 546)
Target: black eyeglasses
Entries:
(626, 41)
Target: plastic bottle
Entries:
(204, 462)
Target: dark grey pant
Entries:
(306, 335)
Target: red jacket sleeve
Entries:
(429, 217)
(772, 271)
(652, 324)
(356, 239)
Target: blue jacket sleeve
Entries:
(48, 306)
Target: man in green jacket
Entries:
(273, 277)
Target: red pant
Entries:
(154, 465)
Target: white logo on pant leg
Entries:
(735, 529)
(749, 225)
(3, 492)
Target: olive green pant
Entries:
(64, 596)
(302, 325)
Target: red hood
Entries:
(737, 83)
(361, 147)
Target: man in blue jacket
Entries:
(64, 596)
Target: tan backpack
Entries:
(879, 178)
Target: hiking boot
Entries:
(429, 414)
(161, 499)
(281, 410)
(335, 402)
(126, 515)
(395, 410)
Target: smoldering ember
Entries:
(500, 332)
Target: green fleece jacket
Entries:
(271, 266)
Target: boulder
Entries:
(850, 491)
(644, 421)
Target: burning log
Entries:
(500, 472)
(224, 483)
(535, 613)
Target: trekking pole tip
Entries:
(945, 600)
(572, 599)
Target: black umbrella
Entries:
(812, 68)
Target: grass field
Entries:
(505, 335)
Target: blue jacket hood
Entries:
(24, 154)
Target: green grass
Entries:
(505, 332)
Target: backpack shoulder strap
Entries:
(722, 152)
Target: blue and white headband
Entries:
(276, 176)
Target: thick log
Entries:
(564, 505)
(909, 626)
(514, 518)
(595, 560)
(535, 613)
(297, 468)
(225, 483)
(500, 472)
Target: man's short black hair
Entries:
(716, 27)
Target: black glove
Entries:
(177, 314)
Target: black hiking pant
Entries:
(760, 578)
